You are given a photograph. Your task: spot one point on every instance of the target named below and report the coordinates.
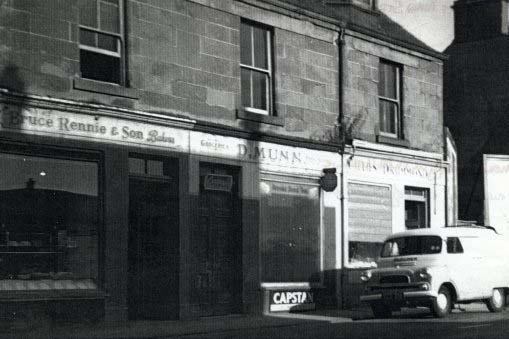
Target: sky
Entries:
(429, 20)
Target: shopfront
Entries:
(122, 217)
(387, 193)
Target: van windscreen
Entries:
(413, 245)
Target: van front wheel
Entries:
(496, 302)
(441, 306)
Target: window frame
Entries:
(425, 198)
(398, 123)
(63, 154)
(120, 36)
(306, 181)
(269, 72)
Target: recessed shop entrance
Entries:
(153, 239)
(218, 241)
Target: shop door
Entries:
(220, 262)
(153, 250)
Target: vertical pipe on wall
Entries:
(342, 139)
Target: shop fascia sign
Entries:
(291, 300)
(260, 152)
(392, 168)
(67, 124)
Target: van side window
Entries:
(454, 245)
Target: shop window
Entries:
(101, 40)
(389, 99)
(48, 223)
(416, 207)
(369, 222)
(290, 235)
(256, 68)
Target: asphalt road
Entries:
(407, 325)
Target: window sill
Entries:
(266, 119)
(393, 141)
(105, 88)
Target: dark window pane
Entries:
(388, 115)
(136, 166)
(245, 44)
(260, 47)
(155, 167)
(99, 67)
(413, 245)
(108, 42)
(260, 90)
(88, 13)
(115, 2)
(454, 245)
(387, 86)
(290, 232)
(88, 38)
(109, 18)
(246, 87)
(48, 223)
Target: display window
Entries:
(290, 230)
(48, 223)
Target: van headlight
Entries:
(366, 276)
(424, 274)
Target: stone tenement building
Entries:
(178, 159)
(476, 98)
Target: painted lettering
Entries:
(292, 298)
(155, 136)
(131, 134)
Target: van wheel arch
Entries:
(452, 291)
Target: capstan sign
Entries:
(291, 300)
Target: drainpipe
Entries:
(342, 140)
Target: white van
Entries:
(438, 268)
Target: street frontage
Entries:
(471, 322)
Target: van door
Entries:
(468, 267)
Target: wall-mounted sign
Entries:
(291, 300)
(329, 180)
(263, 153)
(39, 121)
(397, 169)
(218, 182)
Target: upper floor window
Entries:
(256, 67)
(101, 39)
(389, 95)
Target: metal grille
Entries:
(394, 279)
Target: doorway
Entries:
(153, 253)
(219, 271)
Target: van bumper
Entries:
(395, 299)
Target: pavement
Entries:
(165, 329)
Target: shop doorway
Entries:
(219, 284)
(153, 241)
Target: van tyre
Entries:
(380, 311)
(496, 302)
(442, 305)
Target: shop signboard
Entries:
(291, 300)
